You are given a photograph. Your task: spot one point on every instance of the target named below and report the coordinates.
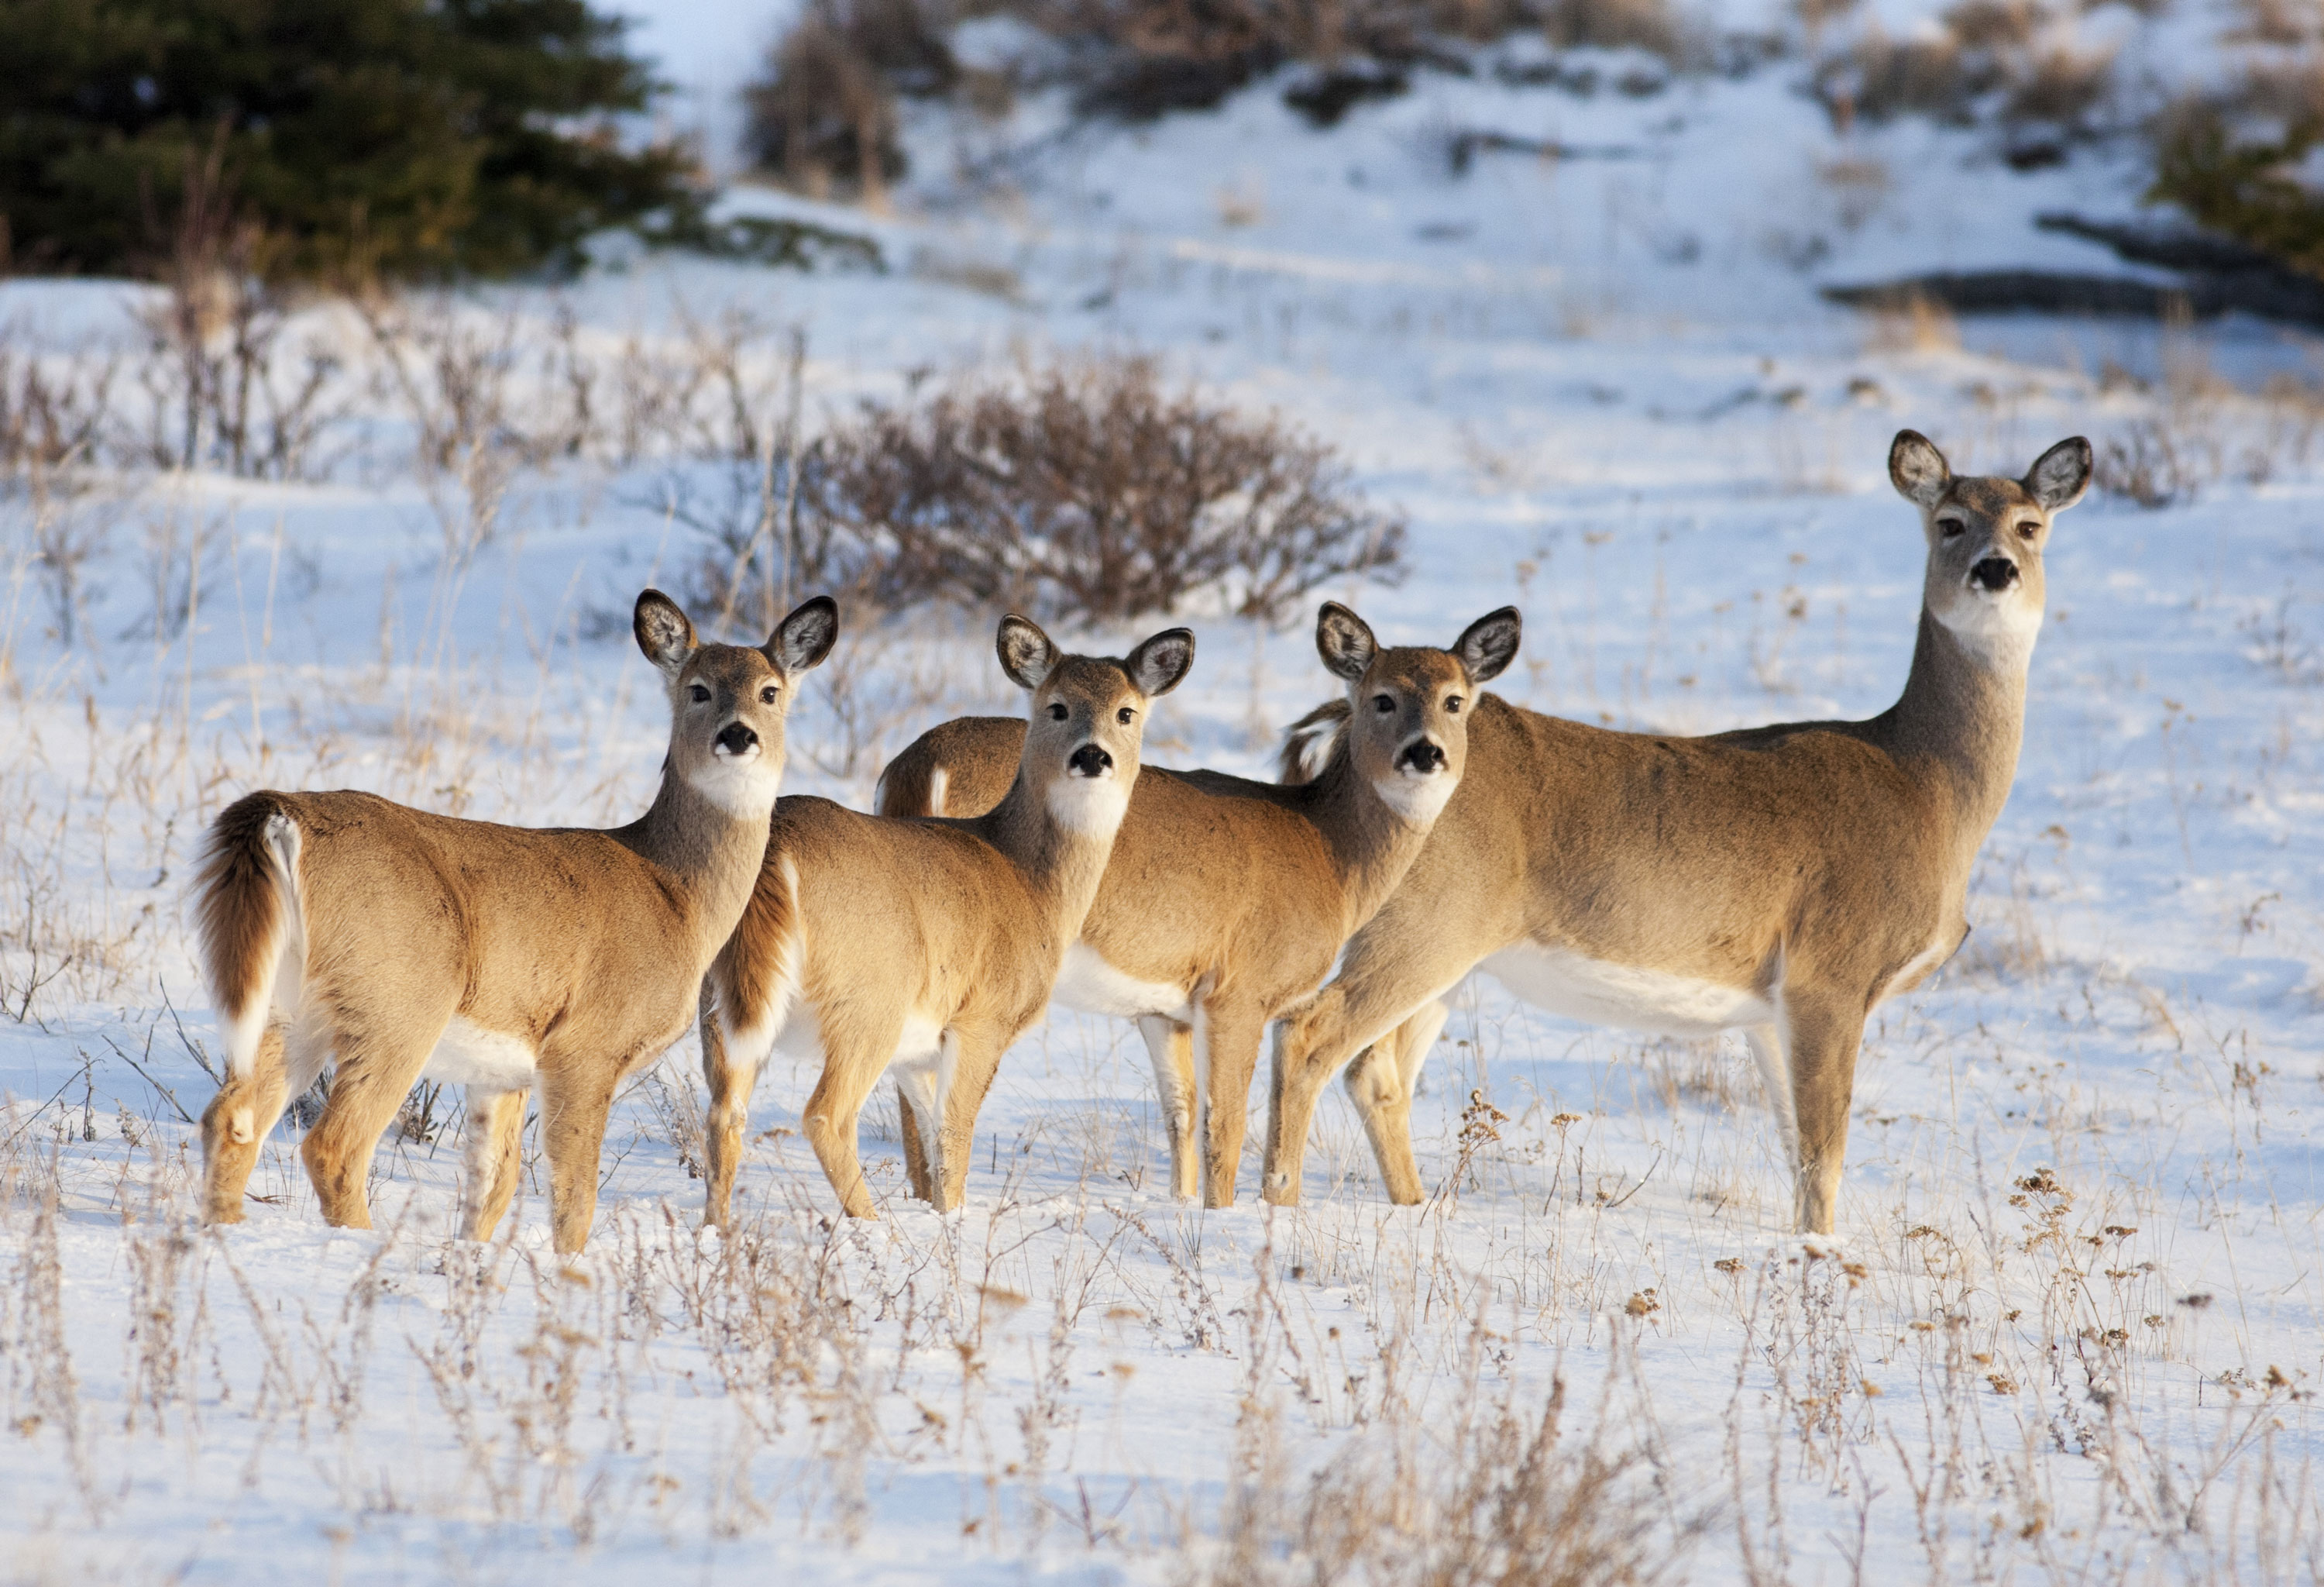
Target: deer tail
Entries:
(1312, 740)
(249, 916)
(755, 982)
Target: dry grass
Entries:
(2014, 63)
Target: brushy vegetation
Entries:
(1092, 490)
(831, 87)
(330, 138)
(2014, 64)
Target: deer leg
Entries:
(732, 1077)
(915, 1142)
(920, 1114)
(852, 1062)
(1766, 1044)
(377, 1070)
(495, 1136)
(1820, 1037)
(1171, 1047)
(971, 1060)
(573, 1111)
(1229, 1031)
(1380, 1081)
(1373, 994)
(236, 1125)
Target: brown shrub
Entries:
(1092, 492)
(1614, 24)
(2063, 88)
(824, 110)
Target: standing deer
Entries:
(408, 944)
(928, 945)
(1226, 899)
(1783, 878)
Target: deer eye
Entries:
(1452, 705)
(1950, 527)
(1383, 704)
(2029, 528)
(1124, 715)
(1057, 712)
(767, 694)
(701, 692)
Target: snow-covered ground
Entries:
(2069, 1328)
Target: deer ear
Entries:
(804, 638)
(1158, 665)
(1027, 654)
(1917, 469)
(1487, 646)
(664, 633)
(1345, 641)
(2060, 475)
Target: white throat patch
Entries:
(1418, 799)
(1998, 631)
(744, 787)
(1091, 806)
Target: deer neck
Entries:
(1061, 863)
(708, 853)
(1372, 845)
(1960, 721)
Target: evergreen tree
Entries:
(406, 137)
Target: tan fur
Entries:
(568, 955)
(870, 925)
(1229, 897)
(1808, 870)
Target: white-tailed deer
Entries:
(1784, 880)
(873, 942)
(407, 945)
(1227, 899)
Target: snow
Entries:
(1604, 388)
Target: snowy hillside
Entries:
(2072, 1324)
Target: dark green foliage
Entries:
(762, 239)
(2244, 188)
(401, 137)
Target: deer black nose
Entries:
(1423, 756)
(1994, 573)
(736, 739)
(1089, 760)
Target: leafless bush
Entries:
(2060, 87)
(824, 111)
(1651, 25)
(2147, 464)
(70, 517)
(2287, 23)
(1091, 491)
(215, 393)
(2014, 62)
(53, 411)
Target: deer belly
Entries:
(1630, 996)
(1087, 982)
(467, 1053)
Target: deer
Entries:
(927, 946)
(1784, 880)
(407, 945)
(1226, 899)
